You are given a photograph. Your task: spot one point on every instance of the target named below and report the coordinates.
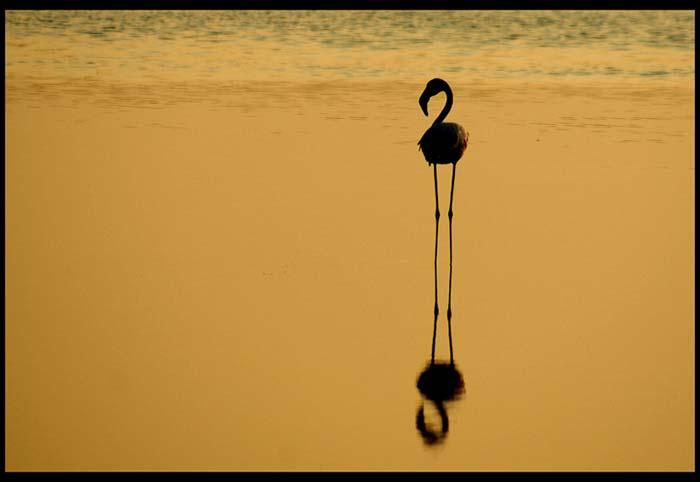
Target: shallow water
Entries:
(219, 241)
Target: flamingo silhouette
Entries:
(442, 143)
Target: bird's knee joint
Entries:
(437, 215)
(449, 315)
(449, 214)
(436, 310)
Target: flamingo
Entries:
(442, 143)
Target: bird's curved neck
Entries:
(448, 105)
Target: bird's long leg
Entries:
(449, 292)
(437, 223)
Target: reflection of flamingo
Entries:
(439, 383)
(442, 143)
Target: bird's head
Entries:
(433, 87)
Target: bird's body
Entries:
(444, 143)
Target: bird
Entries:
(442, 143)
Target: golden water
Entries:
(213, 266)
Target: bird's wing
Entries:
(464, 137)
(442, 138)
(450, 135)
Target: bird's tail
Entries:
(420, 142)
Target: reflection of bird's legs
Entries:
(449, 295)
(437, 222)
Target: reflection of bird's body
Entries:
(442, 143)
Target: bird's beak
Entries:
(423, 102)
